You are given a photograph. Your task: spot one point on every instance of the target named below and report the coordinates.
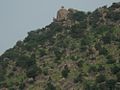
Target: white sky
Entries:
(17, 17)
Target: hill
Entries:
(77, 51)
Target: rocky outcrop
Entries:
(64, 17)
(62, 14)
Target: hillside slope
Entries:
(77, 51)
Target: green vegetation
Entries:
(80, 53)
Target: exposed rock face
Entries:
(63, 17)
(62, 14)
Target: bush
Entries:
(88, 39)
(79, 78)
(2, 74)
(107, 38)
(25, 62)
(2, 78)
(103, 51)
(42, 52)
(75, 58)
(92, 69)
(111, 84)
(100, 78)
(65, 72)
(101, 68)
(58, 53)
(50, 86)
(118, 76)
(79, 16)
(114, 16)
(80, 63)
(115, 69)
(45, 71)
(89, 85)
(11, 54)
(32, 71)
(110, 60)
(21, 86)
(77, 32)
(102, 30)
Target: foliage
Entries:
(100, 78)
(65, 72)
(118, 76)
(110, 84)
(32, 71)
(77, 32)
(79, 16)
(50, 86)
(63, 51)
(115, 69)
(79, 78)
(110, 60)
(25, 62)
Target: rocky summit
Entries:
(77, 51)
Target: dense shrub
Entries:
(102, 30)
(77, 32)
(107, 39)
(32, 71)
(2, 76)
(22, 86)
(103, 51)
(79, 16)
(42, 52)
(50, 86)
(118, 76)
(92, 68)
(114, 16)
(25, 62)
(11, 54)
(115, 69)
(58, 53)
(80, 63)
(79, 78)
(111, 84)
(65, 72)
(101, 68)
(100, 78)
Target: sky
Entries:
(17, 17)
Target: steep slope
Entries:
(77, 51)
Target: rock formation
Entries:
(62, 14)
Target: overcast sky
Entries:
(17, 17)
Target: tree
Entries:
(92, 69)
(42, 52)
(25, 62)
(79, 16)
(101, 68)
(111, 84)
(100, 78)
(118, 76)
(110, 60)
(50, 85)
(2, 76)
(115, 69)
(77, 32)
(58, 53)
(107, 38)
(80, 63)
(32, 71)
(103, 51)
(65, 72)
(79, 78)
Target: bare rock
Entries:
(62, 14)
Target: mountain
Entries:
(77, 51)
